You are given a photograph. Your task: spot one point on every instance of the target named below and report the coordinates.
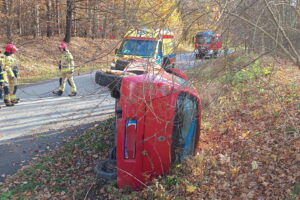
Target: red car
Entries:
(158, 115)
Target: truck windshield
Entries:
(203, 39)
(143, 48)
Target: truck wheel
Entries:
(215, 55)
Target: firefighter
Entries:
(1, 75)
(10, 74)
(66, 66)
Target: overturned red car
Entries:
(158, 115)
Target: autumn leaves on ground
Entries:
(249, 147)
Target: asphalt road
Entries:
(42, 121)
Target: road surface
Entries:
(42, 121)
(41, 111)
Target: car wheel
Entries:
(105, 79)
(107, 170)
(215, 54)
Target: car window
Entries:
(138, 47)
(203, 39)
(160, 53)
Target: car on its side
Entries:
(158, 116)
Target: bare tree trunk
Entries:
(125, 12)
(103, 35)
(7, 12)
(37, 30)
(69, 21)
(74, 25)
(49, 18)
(89, 17)
(113, 28)
(93, 22)
(58, 17)
(19, 12)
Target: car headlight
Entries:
(113, 64)
(196, 51)
(210, 52)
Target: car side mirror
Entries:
(116, 51)
(178, 72)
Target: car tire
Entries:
(113, 82)
(107, 170)
(105, 79)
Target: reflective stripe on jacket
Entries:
(67, 62)
(1, 78)
(8, 63)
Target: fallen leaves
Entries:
(234, 171)
(60, 173)
(254, 165)
(191, 188)
(88, 169)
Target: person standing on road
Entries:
(66, 66)
(10, 74)
(1, 75)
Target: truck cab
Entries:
(207, 44)
(153, 45)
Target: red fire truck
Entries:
(207, 44)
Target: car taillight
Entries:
(130, 139)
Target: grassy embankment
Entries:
(249, 144)
(39, 57)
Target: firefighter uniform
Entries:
(8, 80)
(11, 66)
(1, 76)
(67, 69)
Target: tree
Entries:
(7, 11)
(69, 18)
(49, 17)
(37, 31)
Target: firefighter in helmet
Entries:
(10, 71)
(66, 66)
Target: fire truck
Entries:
(154, 45)
(207, 44)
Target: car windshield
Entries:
(203, 39)
(143, 48)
